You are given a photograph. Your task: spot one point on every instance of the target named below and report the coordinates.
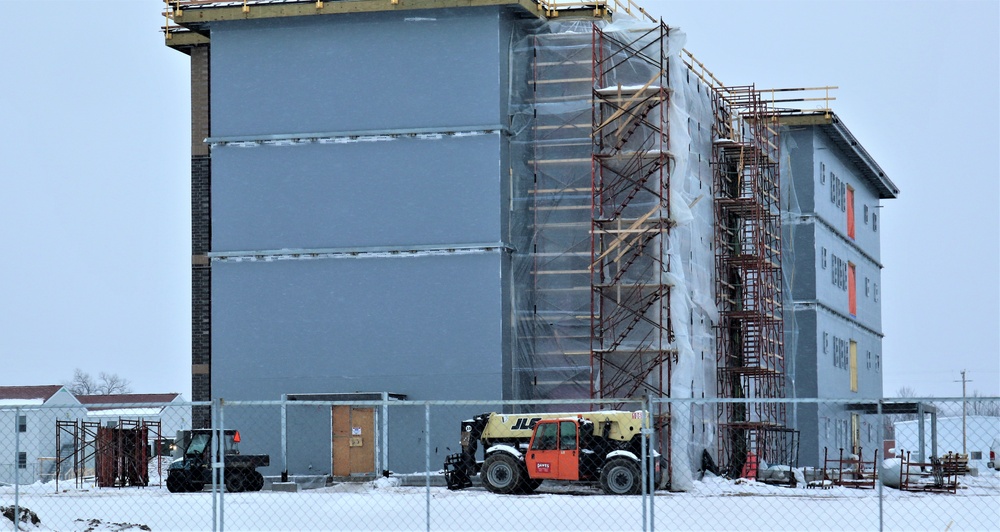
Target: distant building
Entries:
(980, 433)
(832, 191)
(32, 411)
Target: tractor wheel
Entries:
(176, 483)
(255, 481)
(620, 476)
(236, 481)
(502, 473)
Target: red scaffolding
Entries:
(748, 281)
(630, 311)
(115, 455)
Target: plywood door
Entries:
(353, 441)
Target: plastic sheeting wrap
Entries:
(694, 312)
(551, 180)
(791, 219)
(551, 152)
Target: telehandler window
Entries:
(567, 436)
(546, 437)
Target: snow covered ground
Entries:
(714, 504)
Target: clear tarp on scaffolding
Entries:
(613, 217)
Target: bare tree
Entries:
(979, 406)
(112, 384)
(890, 420)
(82, 383)
(106, 384)
(906, 391)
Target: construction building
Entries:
(489, 200)
(831, 190)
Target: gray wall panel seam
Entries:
(359, 251)
(849, 242)
(813, 304)
(486, 129)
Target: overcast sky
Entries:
(94, 162)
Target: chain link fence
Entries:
(306, 463)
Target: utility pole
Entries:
(964, 381)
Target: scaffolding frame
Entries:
(750, 344)
(119, 454)
(853, 471)
(631, 335)
(83, 436)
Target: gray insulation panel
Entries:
(398, 192)
(429, 327)
(360, 71)
(406, 324)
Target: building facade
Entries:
(27, 453)
(486, 203)
(832, 191)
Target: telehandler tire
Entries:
(504, 474)
(620, 476)
(528, 485)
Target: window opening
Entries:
(850, 211)
(852, 297)
(854, 366)
(855, 433)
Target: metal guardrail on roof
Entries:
(784, 101)
(174, 9)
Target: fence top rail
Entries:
(96, 409)
(442, 402)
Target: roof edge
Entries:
(842, 136)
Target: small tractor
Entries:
(192, 470)
(522, 450)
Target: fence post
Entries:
(17, 468)
(643, 461)
(385, 432)
(878, 468)
(653, 460)
(222, 465)
(284, 437)
(215, 501)
(427, 460)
